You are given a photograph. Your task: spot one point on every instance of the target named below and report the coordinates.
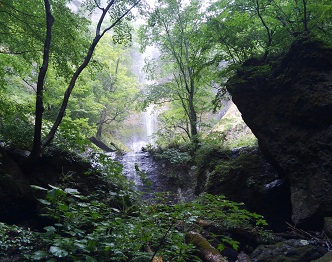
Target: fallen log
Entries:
(206, 252)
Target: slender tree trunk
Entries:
(37, 145)
(268, 31)
(192, 114)
(86, 61)
(305, 20)
(101, 123)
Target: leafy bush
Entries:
(211, 149)
(16, 125)
(72, 134)
(89, 230)
(175, 156)
(14, 239)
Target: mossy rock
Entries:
(292, 250)
(326, 258)
(239, 171)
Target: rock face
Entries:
(292, 250)
(243, 175)
(19, 203)
(288, 106)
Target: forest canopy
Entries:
(48, 48)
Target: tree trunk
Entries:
(206, 252)
(101, 123)
(37, 145)
(192, 115)
(86, 61)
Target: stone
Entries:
(243, 257)
(292, 250)
(243, 175)
(326, 258)
(287, 103)
(328, 226)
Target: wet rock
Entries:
(243, 175)
(292, 250)
(243, 257)
(288, 106)
(326, 258)
(328, 226)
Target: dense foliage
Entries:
(184, 71)
(104, 93)
(120, 226)
(44, 47)
(200, 46)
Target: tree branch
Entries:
(267, 30)
(120, 18)
(75, 76)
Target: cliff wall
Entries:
(288, 106)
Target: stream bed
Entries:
(152, 177)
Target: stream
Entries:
(151, 176)
(146, 173)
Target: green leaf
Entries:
(39, 255)
(72, 191)
(50, 229)
(80, 245)
(90, 259)
(54, 187)
(45, 202)
(38, 187)
(58, 252)
(63, 207)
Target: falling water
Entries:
(150, 122)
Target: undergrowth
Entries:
(120, 226)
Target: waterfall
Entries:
(150, 122)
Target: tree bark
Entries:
(101, 123)
(206, 252)
(37, 145)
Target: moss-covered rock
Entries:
(243, 175)
(292, 250)
(287, 103)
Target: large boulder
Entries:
(291, 250)
(288, 106)
(243, 175)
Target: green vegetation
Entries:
(199, 47)
(43, 63)
(113, 223)
(86, 229)
(65, 79)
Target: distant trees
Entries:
(184, 67)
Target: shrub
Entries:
(87, 229)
